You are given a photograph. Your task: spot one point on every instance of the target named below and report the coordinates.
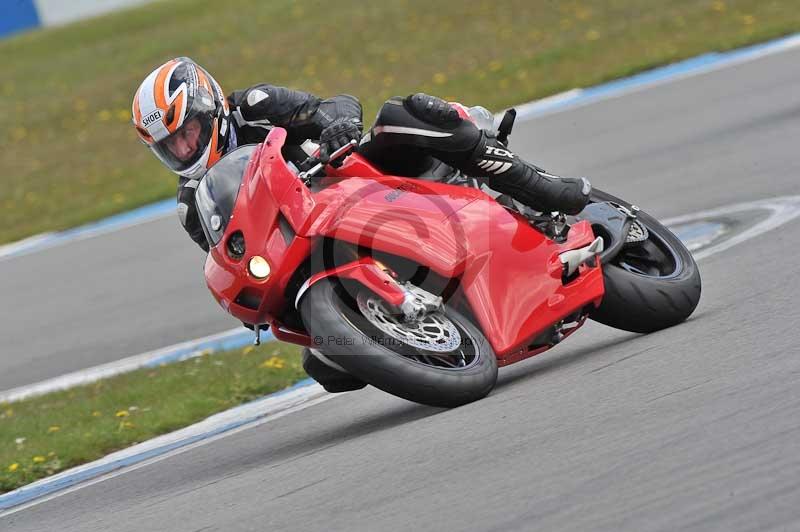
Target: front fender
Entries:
(366, 271)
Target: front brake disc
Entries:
(433, 332)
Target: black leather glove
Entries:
(339, 133)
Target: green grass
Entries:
(44, 435)
(70, 155)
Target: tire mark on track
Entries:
(643, 351)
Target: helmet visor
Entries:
(186, 146)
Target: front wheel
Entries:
(652, 283)
(442, 360)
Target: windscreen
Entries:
(217, 192)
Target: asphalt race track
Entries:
(692, 428)
(102, 299)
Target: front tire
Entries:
(650, 285)
(466, 373)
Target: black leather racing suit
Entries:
(255, 110)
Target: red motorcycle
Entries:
(423, 286)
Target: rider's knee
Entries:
(432, 110)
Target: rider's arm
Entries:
(302, 114)
(187, 211)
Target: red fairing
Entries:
(508, 272)
(401, 216)
(266, 182)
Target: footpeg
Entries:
(573, 258)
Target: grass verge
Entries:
(70, 155)
(44, 435)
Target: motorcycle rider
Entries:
(181, 113)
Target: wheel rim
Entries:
(651, 257)
(435, 341)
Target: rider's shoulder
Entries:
(255, 97)
(262, 103)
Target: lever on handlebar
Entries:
(317, 168)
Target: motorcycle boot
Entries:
(525, 182)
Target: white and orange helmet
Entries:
(173, 95)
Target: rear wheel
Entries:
(440, 360)
(652, 283)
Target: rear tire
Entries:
(433, 378)
(651, 285)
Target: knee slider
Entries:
(432, 110)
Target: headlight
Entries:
(259, 267)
